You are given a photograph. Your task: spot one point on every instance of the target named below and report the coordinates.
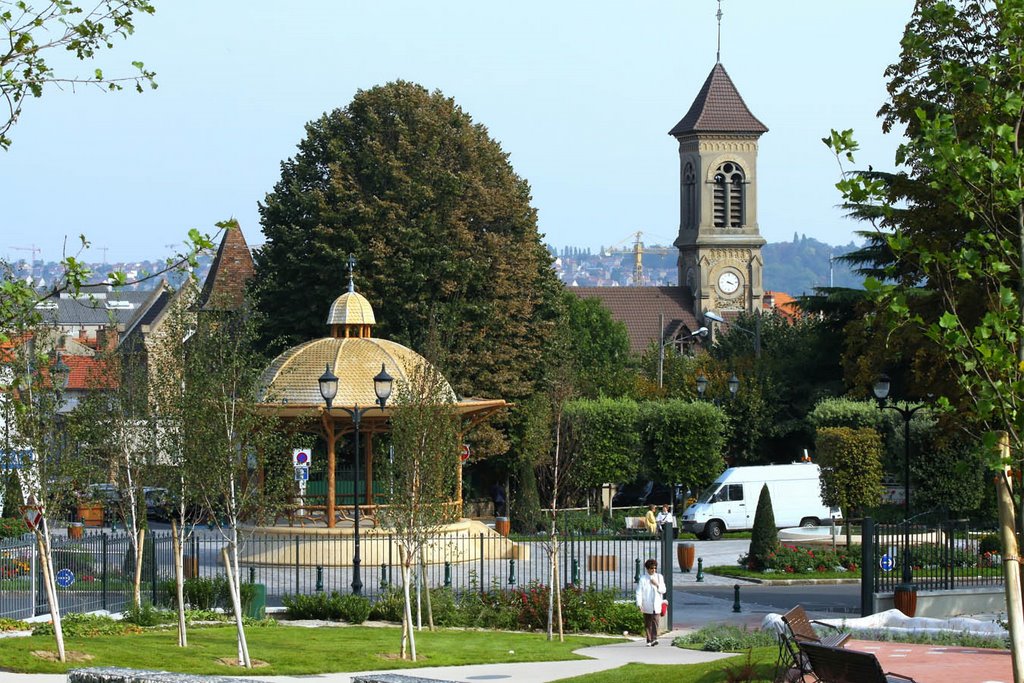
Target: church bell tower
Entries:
(719, 241)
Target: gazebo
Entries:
(291, 390)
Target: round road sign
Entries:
(887, 563)
(65, 577)
(464, 452)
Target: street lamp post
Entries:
(329, 389)
(881, 391)
(755, 333)
(733, 384)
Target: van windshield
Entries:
(708, 493)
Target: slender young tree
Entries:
(421, 479)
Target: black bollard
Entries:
(736, 598)
(383, 575)
(319, 579)
(700, 570)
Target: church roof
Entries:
(224, 289)
(718, 108)
(639, 308)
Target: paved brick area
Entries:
(939, 664)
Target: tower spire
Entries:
(718, 50)
(351, 268)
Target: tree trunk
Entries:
(406, 578)
(236, 603)
(140, 542)
(1011, 564)
(179, 580)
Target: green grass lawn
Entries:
(292, 650)
(763, 659)
(740, 572)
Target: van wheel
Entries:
(809, 521)
(713, 530)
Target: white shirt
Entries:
(649, 590)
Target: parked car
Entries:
(158, 503)
(647, 493)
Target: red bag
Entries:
(664, 608)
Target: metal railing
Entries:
(944, 556)
(98, 568)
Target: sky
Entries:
(581, 95)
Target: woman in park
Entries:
(649, 592)
(651, 520)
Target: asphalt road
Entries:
(840, 599)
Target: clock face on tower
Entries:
(728, 282)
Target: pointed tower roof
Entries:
(718, 108)
(224, 289)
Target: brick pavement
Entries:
(940, 664)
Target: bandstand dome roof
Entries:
(351, 308)
(292, 379)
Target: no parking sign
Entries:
(301, 457)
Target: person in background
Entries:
(498, 496)
(666, 520)
(650, 590)
(651, 520)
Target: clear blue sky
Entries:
(580, 94)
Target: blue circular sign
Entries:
(65, 577)
(887, 563)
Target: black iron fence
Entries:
(96, 571)
(939, 556)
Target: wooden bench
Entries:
(636, 524)
(836, 665)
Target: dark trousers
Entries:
(651, 626)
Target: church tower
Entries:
(719, 241)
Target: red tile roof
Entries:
(89, 374)
(639, 307)
(718, 109)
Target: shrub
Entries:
(791, 559)
(989, 543)
(146, 615)
(12, 625)
(388, 606)
(724, 638)
(12, 527)
(87, 626)
(764, 537)
(354, 609)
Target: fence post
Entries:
(103, 578)
(483, 589)
(297, 564)
(152, 567)
(867, 567)
(666, 566)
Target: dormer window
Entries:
(729, 196)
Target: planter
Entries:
(904, 598)
(502, 525)
(685, 553)
(75, 530)
(90, 514)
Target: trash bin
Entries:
(75, 529)
(685, 553)
(502, 525)
(257, 608)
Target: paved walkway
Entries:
(927, 663)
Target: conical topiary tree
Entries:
(764, 538)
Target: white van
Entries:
(731, 502)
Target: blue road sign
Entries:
(301, 474)
(887, 563)
(65, 577)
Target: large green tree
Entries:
(442, 230)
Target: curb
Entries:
(789, 582)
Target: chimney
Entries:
(769, 301)
(106, 339)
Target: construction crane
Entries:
(638, 250)
(34, 249)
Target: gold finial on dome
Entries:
(351, 315)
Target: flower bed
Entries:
(793, 559)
